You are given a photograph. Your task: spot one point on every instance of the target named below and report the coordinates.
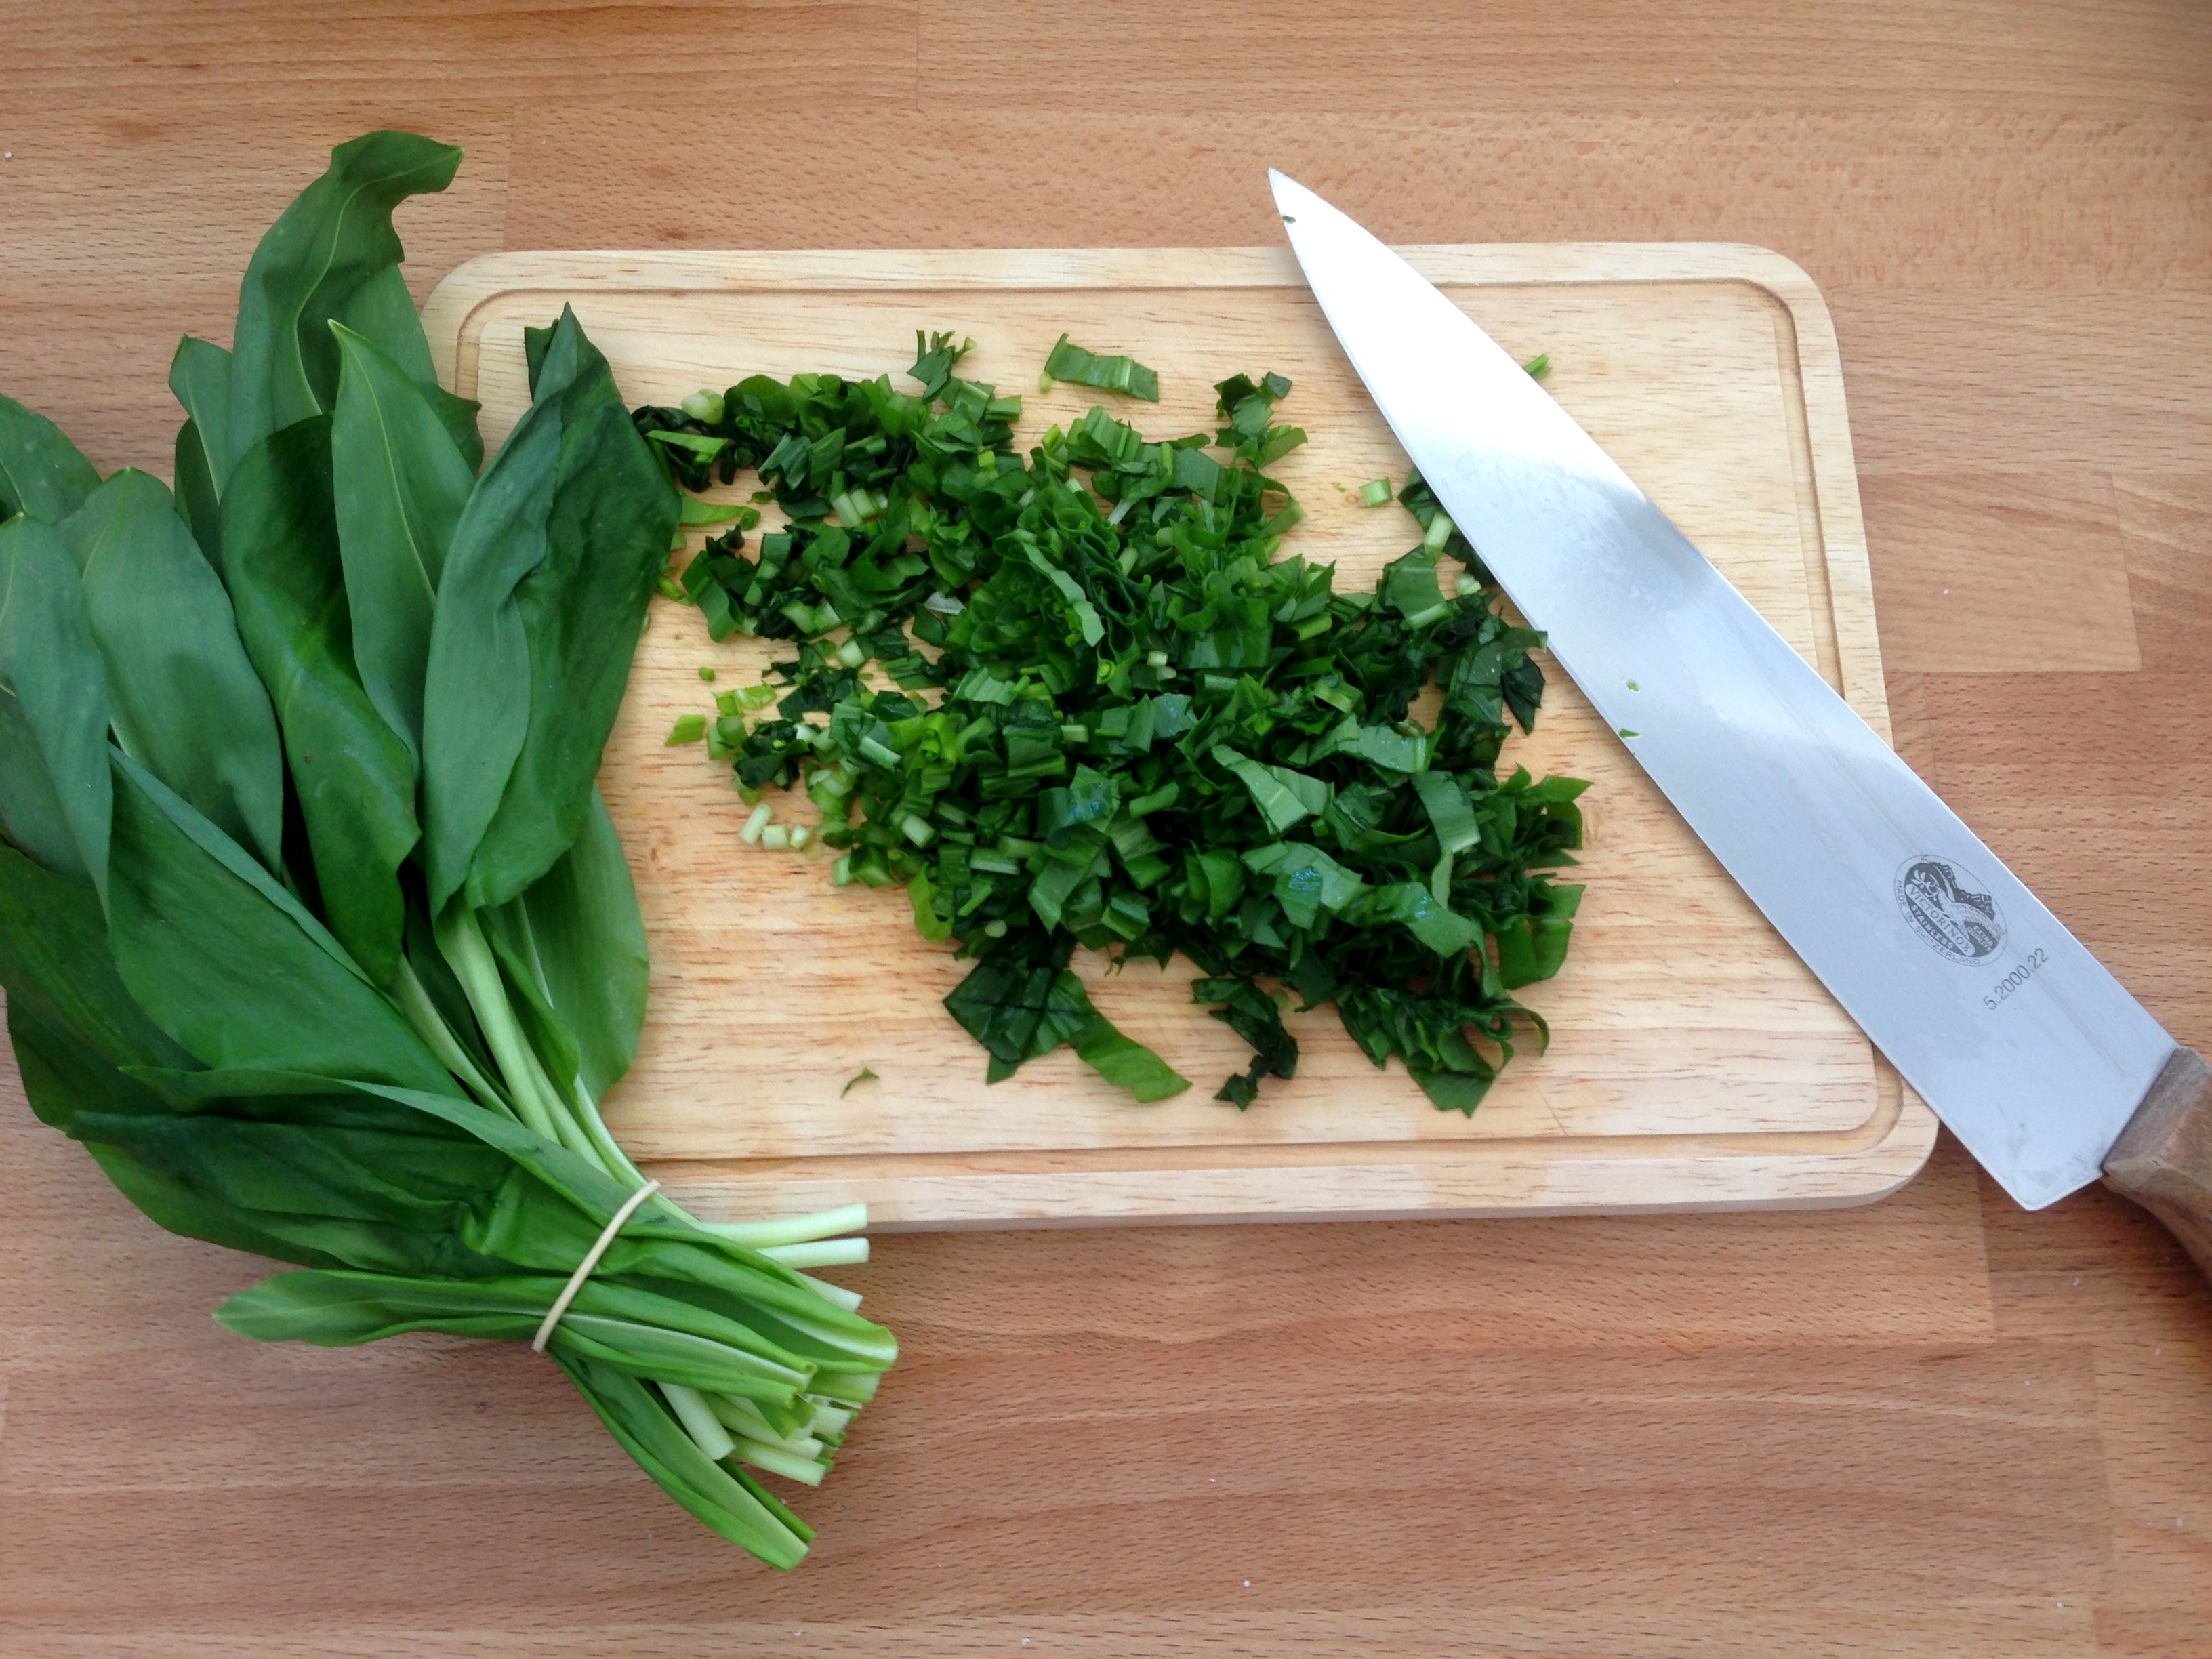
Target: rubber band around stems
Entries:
(590, 1261)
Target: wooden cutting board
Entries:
(1695, 1064)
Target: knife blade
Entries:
(2022, 1040)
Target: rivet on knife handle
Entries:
(2163, 1158)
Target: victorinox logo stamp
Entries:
(1946, 906)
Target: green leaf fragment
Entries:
(1069, 362)
(1283, 796)
(697, 513)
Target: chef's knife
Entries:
(2037, 1058)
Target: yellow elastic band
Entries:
(590, 1261)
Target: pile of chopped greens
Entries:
(1117, 719)
(314, 928)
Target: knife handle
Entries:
(2163, 1158)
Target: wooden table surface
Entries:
(1936, 1425)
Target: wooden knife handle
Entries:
(2163, 1158)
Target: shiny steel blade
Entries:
(2033, 1054)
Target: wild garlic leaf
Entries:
(42, 473)
(185, 701)
(55, 793)
(403, 485)
(55, 962)
(351, 773)
(231, 965)
(332, 243)
(554, 559)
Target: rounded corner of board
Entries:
(467, 283)
(1790, 283)
(1892, 1163)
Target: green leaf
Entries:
(1019, 1009)
(342, 1309)
(1258, 1018)
(539, 1174)
(1409, 584)
(1379, 745)
(1126, 374)
(197, 501)
(70, 1021)
(41, 473)
(352, 773)
(186, 704)
(54, 789)
(65, 1079)
(199, 377)
(591, 950)
(1455, 1092)
(1412, 904)
(726, 1504)
(1217, 880)
(922, 898)
(170, 1203)
(1004, 1003)
(229, 964)
(284, 1157)
(382, 312)
(538, 616)
(1283, 796)
(54, 962)
(1122, 1060)
(1307, 879)
(695, 512)
(613, 513)
(476, 701)
(633, 1328)
(312, 266)
(1445, 801)
(402, 486)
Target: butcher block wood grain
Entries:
(1696, 1062)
